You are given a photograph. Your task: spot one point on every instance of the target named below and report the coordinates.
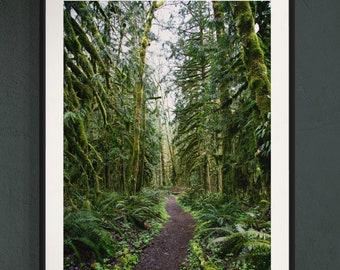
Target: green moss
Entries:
(83, 91)
(253, 57)
(70, 95)
(101, 107)
(198, 252)
(87, 205)
(80, 131)
(246, 23)
(255, 51)
(73, 42)
(260, 86)
(263, 103)
(159, 4)
(87, 44)
(145, 42)
(255, 84)
(74, 207)
(86, 65)
(96, 183)
(73, 67)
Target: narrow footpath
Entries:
(169, 249)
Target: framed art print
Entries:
(157, 106)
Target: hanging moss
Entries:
(158, 4)
(86, 65)
(101, 107)
(83, 39)
(97, 154)
(87, 205)
(253, 50)
(74, 207)
(80, 131)
(253, 57)
(69, 91)
(85, 160)
(82, 9)
(83, 91)
(102, 12)
(72, 40)
(76, 158)
(246, 22)
(73, 67)
(97, 185)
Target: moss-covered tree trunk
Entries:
(257, 76)
(161, 151)
(207, 176)
(138, 118)
(141, 180)
(253, 57)
(163, 181)
(219, 179)
(225, 101)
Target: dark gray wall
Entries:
(317, 144)
(19, 134)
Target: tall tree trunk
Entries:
(161, 153)
(225, 102)
(107, 175)
(135, 161)
(257, 73)
(207, 176)
(141, 180)
(201, 170)
(123, 179)
(253, 57)
(220, 33)
(162, 164)
(174, 170)
(219, 178)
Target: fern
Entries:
(250, 245)
(84, 234)
(234, 232)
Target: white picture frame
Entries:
(54, 135)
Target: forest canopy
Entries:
(119, 132)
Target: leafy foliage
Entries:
(102, 70)
(230, 234)
(114, 129)
(113, 231)
(222, 141)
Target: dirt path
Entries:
(169, 249)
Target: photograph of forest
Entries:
(167, 135)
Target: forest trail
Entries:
(169, 249)
(154, 96)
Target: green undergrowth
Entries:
(230, 234)
(111, 233)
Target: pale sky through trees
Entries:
(157, 53)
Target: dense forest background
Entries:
(132, 128)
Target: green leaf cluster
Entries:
(222, 127)
(113, 231)
(231, 234)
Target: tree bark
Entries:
(224, 135)
(253, 57)
(208, 177)
(257, 74)
(219, 178)
(135, 161)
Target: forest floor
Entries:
(169, 249)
